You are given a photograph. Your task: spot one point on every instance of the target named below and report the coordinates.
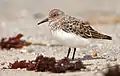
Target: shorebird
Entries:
(70, 31)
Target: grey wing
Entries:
(83, 29)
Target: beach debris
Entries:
(113, 71)
(43, 64)
(13, 42)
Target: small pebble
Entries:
(94, 54)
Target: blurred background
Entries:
(21, 16)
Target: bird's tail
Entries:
(107, 37)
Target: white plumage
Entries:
(69, 39)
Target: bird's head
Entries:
(54, 14)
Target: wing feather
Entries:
(81, 28)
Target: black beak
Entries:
(45, 20)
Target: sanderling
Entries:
(70, 31)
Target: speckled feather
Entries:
(73, 25)
(59, 20)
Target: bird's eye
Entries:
(54, 15)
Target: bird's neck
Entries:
(53, 25)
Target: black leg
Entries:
(74, 54)
(68, 52)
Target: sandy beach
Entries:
(21, 16)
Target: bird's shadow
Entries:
(76, 59)
(89, 58)
(84, 58)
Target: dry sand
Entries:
(21, 16)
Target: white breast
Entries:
(69, 39)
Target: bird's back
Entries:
(73, 25)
